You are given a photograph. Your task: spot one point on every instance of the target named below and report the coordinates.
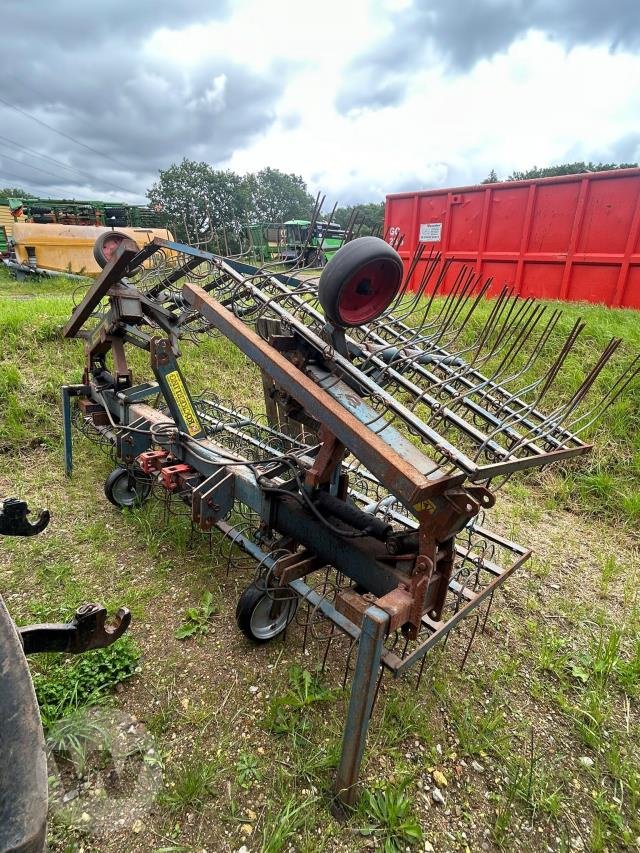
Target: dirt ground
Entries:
(214, 744)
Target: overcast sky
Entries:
(360, 97)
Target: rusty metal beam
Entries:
(410, 479)
(110, 275)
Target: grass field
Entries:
(533, 746)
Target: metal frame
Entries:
(338, 393)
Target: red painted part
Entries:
(369, 292)
(152, 460)
(110, 245)
(171, 475)
(575, 237)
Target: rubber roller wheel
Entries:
(360, 282)
(254, 617)
(125, 489)
(106, 246)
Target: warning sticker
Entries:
(430, 232)
(175, 383)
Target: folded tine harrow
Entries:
(391, 417)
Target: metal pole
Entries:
(66, 430)
(363, 687)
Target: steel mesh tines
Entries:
(483, 386)
(243, 432)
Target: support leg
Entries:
(363, 688)
(66, 430)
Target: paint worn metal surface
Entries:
(573, 237)
(363, 492)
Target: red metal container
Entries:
(575, 237)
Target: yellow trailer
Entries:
(69, 248)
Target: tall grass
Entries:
(34, 362)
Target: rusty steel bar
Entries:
(402, 477)
(109, 276)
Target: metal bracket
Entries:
(13, 519)
(87, 630)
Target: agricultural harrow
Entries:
(390, 420)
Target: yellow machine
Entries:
(69, 248)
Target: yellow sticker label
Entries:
(175, 383)
(425, 506)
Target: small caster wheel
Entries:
(360, 282)
(126, 489)
(254, 614)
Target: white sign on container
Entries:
(430, 232)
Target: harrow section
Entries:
(390, 420)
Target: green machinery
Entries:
(73, 212)
(310, 244)
(302, 242)
(265, 240)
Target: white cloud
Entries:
(257, 86)
(536, 104)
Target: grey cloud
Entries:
(81, 69)
(464, 32)
(41, 24)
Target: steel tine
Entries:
(623, 381)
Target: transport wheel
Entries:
(106, 246)
(126, 489)
(253, 614)
(360, 281)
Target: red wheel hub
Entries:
(110, 245)
(369, 292)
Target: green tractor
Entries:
(264, 241)
(310, 245)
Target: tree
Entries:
(199, 200)
(371, 215)
(14, 192)
(492, 178)
(275, 196)
(576, 168)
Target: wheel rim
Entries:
(369, 292)
(263, 625)
(123, 493)
(110, 245)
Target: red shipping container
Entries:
(574, 237)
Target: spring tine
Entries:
(553, 421)
(623, 381)
(470, 643)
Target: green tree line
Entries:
(553, 171)
(200, 201)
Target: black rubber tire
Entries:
(360, 256)
(255, 597)
(98, 247)
(121, 483)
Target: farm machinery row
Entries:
(360, 492)
(389, 425)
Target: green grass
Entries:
(567, 661)
(33, 365)
(63, 683)
(190, 785)
(389, 818)
(196, 621)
